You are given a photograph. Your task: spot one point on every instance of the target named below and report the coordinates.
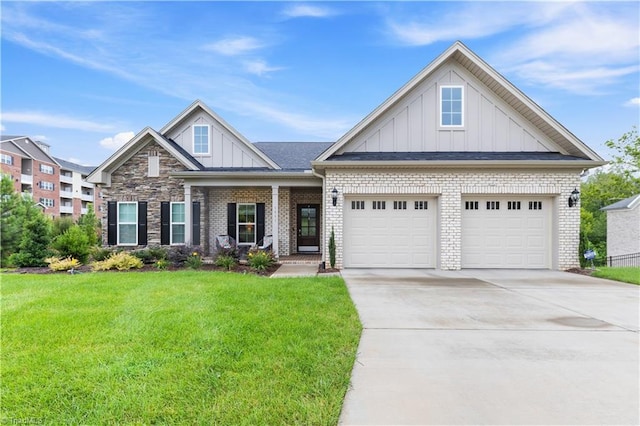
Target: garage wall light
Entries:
(334, 196)
(574, 197)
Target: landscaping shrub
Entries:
(90, 225)
(178, 255)
(158, 253)
(61, 225)
(57, 264)
(121, 261)
(162, 264)
(194, 261)
(34, 244)
(72, 243)
(226, 261)
(332, 249)
(144, 255)
(260, 260)
(99, 254)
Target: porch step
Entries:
(301, 259)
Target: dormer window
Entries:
(201, 139)
(451, 106)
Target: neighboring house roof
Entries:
(293, 155)
(29, 147)
(199, 104)
(68, 165)
(494, 81)
(626, 204)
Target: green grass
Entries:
(189, 347)
(627, 275)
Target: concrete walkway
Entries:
(493, 347)
(296, 270)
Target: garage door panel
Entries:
(389, 237)
(505, 237)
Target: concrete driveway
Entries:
(493, 347)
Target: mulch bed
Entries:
(242, 269)
(580, 271)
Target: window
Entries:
(535, 205)
(127, 224)
(201, 139)
(154, 164)
(246, 223)
(357, 205)
(513, 205)
(46, 169)
(47, 202)
(379, 205)
(420, 205)
(6, 159)
(49, 186)
(177, 223)
(493, 205)
(471, 205)
(451, 98)
(399, 205)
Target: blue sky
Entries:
(86, 77)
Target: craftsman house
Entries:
(457, 169)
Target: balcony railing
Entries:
(66, 194)
(26, 179)
(66, 179)
(87, 197)
(83, 210)
(66, 209)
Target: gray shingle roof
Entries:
(627, 203)
(453, 156)
(68, 165)
(293, 155)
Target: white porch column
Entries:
(188, 220)
(274, 218)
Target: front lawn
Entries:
(627, 275)
(188, 347)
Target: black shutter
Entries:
(112, 223)
(142, 223)
(165, 217)
(259, 222)
(231, 220)
(195, 228)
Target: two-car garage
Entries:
(403, 232)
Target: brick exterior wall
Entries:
(623, 231)
(450, 187)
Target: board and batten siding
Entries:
(412, 125)
(226, 150)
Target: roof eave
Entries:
(465, 164)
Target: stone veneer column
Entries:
(188, 220)
(274, 219)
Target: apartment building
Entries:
(58, 186)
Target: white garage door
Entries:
(506, 232)
(390, 232)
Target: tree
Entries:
(332, 249)
(73, 243)
(15, 210)
(627, 159)
(90, 224)
(34, 243)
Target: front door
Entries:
(308, 227)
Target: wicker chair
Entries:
(225, 242)
(266, 243)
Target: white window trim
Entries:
(49, 169)
(6, 159)
(47, 186)
(47, 202)
(254, 223)
(449, 126)
(171, 223)
(193, 140)
(118, 223)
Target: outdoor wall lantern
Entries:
(334, 196)
(574, 197)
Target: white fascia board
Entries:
(469, 164)
(199, 104)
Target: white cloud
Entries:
(54, 120)
(41, 138)
(115, 142)
(260, 67)
(2, 128)
(307, 10)
(234, 46)
(633, 102)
